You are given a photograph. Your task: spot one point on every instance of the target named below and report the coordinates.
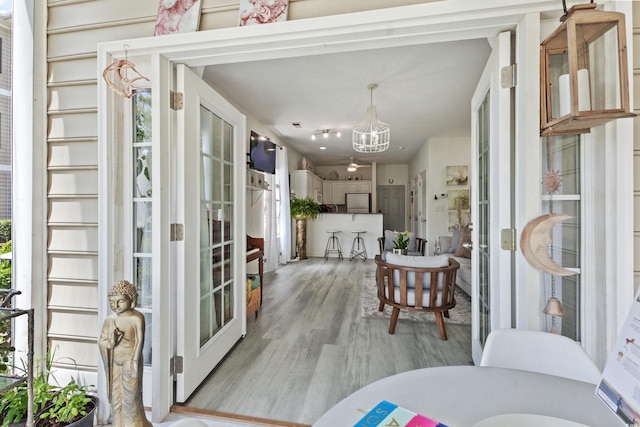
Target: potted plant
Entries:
(401, 242)
(71, 406)
(301, 211)
(14, 402)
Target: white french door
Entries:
(210, 260)
(491, 198)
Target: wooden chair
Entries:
(423, 289)
(255, 251)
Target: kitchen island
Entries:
(317, 232)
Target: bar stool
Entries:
(333, 245)
(358, 249)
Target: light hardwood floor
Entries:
(310, 347)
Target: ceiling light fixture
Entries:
(325, 133)
(352, 168)
(371, 135)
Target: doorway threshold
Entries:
(222, 419)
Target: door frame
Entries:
(423, 205)
(392, 27)
(501, 208)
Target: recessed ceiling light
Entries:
(323, 148)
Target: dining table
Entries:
(462, 396)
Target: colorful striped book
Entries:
(387, 414)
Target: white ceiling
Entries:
(424, 91)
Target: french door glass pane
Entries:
(484, 290)
(216, 225)
(142, 206)
(562, 154)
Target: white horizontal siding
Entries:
(66, 126)
(5, 75)
(73, 323)
(83, 351)
(86, 41)
(73, 153)
(73, 210)
(5, 195)
(73, 182)
(73, 267)
(73, 239)
(78, 295)
(98, 12)
(73, 97)
(73, 70)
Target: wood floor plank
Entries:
(309, 347)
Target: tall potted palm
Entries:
(301, 211)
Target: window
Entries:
(142, 203)
(562, 154)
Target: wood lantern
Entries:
(584, 73)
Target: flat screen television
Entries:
(262, 154)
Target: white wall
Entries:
(256, 199)
(442, 152)
(434, 156)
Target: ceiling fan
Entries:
(352, 166)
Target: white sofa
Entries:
(463, 278)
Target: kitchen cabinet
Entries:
(358, 187)
(333, 192)
(305, 183)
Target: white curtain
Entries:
(284, 214)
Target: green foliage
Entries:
(5, 230)
(402, 240)
(306, 208)
(14, 402)
(5, 267)
(142, 108)
(69, 404)
(6, 349)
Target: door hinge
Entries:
(177, 232)
(508, 76)
(175, 365)
(176, 100)
(508, 239)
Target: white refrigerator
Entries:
(358, 202)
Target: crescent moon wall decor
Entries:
(116, 77)
(535, 241)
